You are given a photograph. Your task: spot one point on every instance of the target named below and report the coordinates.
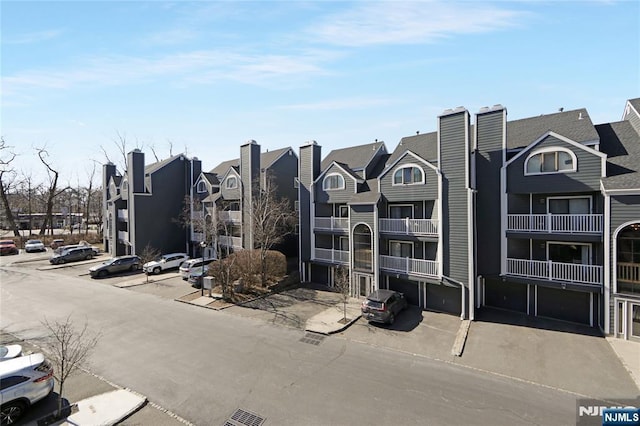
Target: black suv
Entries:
(383, 306)
(72, 255)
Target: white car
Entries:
(25, 381)
(34, 245)
(192, 265)
(164, 262)
(10, 352)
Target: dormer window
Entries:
(550, 160)
(202, 187)
(125, 186)
(333, 181)
(408, 175)
(232, 182)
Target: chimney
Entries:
(250, 177)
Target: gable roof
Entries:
(354, 157)
(425, 145)
(575, 125)
(266, 160)
(224, 167)
(212, 178)
(621, 143)
(160, 164)
(635, 103)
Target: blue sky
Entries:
(208, 76)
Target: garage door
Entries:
(564, 305)
(444, 298)
(410, 289)
(505, 295)
(320, 274)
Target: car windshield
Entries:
(374, 304)
(34, 242)
(6, 243)
(3, 351)
(109, 261)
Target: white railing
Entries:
(629, 272)
(407, 265)
(335, 256)
(230, 215)
(332, 223)
(560, 223)
(230, 241)
(123, 214)
(123, 236)
(409, 226)
(555, 271)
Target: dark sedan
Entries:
(116, 265)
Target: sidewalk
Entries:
(331, 320)
(105, 409)
(629, 354)
(142, 279)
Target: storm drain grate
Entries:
(244, 418)
(313, 338)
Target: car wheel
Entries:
(134, 268)
(61, 261)
(102, 274)
(156, 270)
(11, 412)
(392, 319)
(89, 257)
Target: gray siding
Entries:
(283, 172)
(335, 196)
(488, 162)
(135, 171)
(586, 178)
(633, 118)
(394, 193)
(249, 175)
(454, 139)
(309, 169)
(362, 213)
(231, 194)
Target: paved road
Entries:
(203, 364)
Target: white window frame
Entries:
(201, 187)
(407, 166)
(413, 247)
(573, 156)
(326, 180)
(228, 183)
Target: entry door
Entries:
(362, 285)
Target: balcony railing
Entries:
(329, 255)
(555, 271)
(123, 235)
(408, 226)
(555, 223)
(235, 242)
(123, 214)
(407, 265)
(230, 216)
(629, 272)
(332, 223)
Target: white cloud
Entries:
(34, 37)
(374, 23)
(334, 104)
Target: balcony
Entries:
(555, 223)
(332, 223)
(555, 271)
(329, 255)
(230, 216)
(406, 226)
(628, 272)
(123, 214)
(235, 242)
(409, 266)
(123, 236)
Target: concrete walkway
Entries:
(332, 319)
(106, 409)
(142, 279)
(629, 354)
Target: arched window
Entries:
(125, 186)
(232, 182)
(202, 187)
(550, 160)
(333, 181)
(628, 260)
(408, 175)
(362, 248)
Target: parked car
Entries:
(164, 262)
(115, 265)
(191, 265)
(383, 306)
(25, 381)
(56, 244)
(60, 249)
(34, 245)
(10, 352)
(8, 247)
(72, 255)
(196, 276)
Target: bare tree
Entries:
(28, 191)
(52, 189)
(87, 199)
(7, 178)
(273, 219)
(342, 284)
(148, 254)
(68, 349)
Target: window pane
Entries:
(407, 175)
(559, 206)
(397, 177)
(417, 175)
(549, 162)
(579, 206)
(533, 165)
(565, 162)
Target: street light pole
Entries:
(203, 244)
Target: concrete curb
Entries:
(134, 283)
(461, 338)
(333, 330)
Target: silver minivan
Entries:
(24, 381)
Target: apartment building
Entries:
(225, 193)
(143, 205)
(539, 215)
